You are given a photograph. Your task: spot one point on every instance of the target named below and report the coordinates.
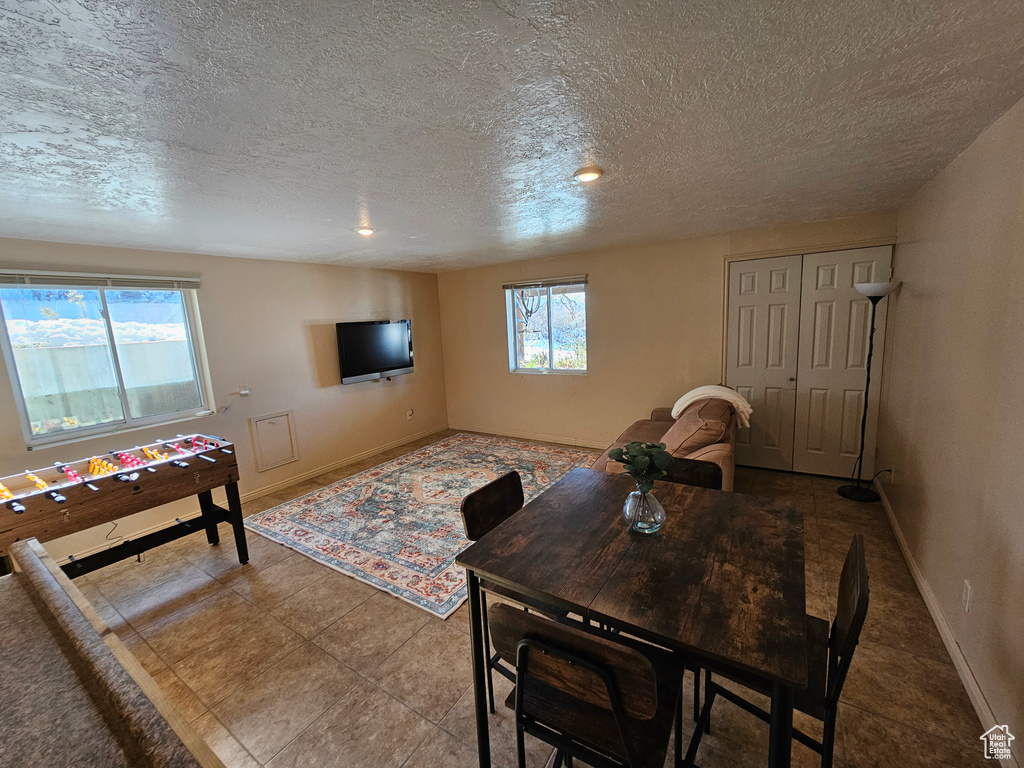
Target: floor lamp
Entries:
(860, 492)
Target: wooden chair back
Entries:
(633, 676)
(851, 611)
(487, 507)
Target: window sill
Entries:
(547, 372)
(120, 430)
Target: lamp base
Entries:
(858, 493)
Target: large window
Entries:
(547, 325)
(90, 355)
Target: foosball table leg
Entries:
(235, 518)
(209, 518)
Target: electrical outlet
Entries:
(965, 596)
(408, 415)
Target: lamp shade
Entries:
(876, 290)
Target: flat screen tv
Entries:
(374, 349)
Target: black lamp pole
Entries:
(861, 492)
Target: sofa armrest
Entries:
(662, 414)
(703, 474)
(721, 454)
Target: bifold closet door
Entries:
(835, 322)
(762, 343)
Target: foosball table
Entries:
(69, 497)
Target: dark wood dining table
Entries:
(722, 582)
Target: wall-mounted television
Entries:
(374, 349)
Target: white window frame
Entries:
(510, 322)
(187, 286)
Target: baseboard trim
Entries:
(267, 489)
(974, 692)
(533, 436)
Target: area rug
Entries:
(398, 526)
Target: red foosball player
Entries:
(71, 475)
(130, 461)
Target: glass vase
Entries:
(643, 512)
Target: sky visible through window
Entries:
(67, 368)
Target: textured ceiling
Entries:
(273, 128)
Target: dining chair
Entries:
(829, 654)
(588, 696)
(482, 511)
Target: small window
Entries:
(547, 326)
(89, 358)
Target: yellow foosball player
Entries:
(154, 454)
(98, 466)
(5, 493)
(39, 483)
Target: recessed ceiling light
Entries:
(590, 173)
(366, 231)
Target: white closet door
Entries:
(764, 309)
(835, 322)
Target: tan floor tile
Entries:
(430, 672)
(191, 585)
(184, 632)
(878, 537)
(287, 698)
(365, 636)
(110, 615)
(442, 750)
(365, 729)
(221, 562)
(271, 585)
(142, 651)
(461, 723)
(128, 577)
(184, 700)
(236, 658)
(334, 476)
(269, 683)
(873, 741)
(260, 504)
(918, 692)
(738, 738)
(460, 618)
(294, 491)
(314, 608)
(899, 619)
(223, 744)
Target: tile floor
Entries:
(284, 662)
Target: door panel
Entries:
(835, 322)
(762, 344)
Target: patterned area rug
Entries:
(398, 526)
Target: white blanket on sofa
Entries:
(739, 403)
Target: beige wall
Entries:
(268, 325)
(952, 415)
(654, 330)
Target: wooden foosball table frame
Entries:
(67, 498)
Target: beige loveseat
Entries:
(705, 431)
